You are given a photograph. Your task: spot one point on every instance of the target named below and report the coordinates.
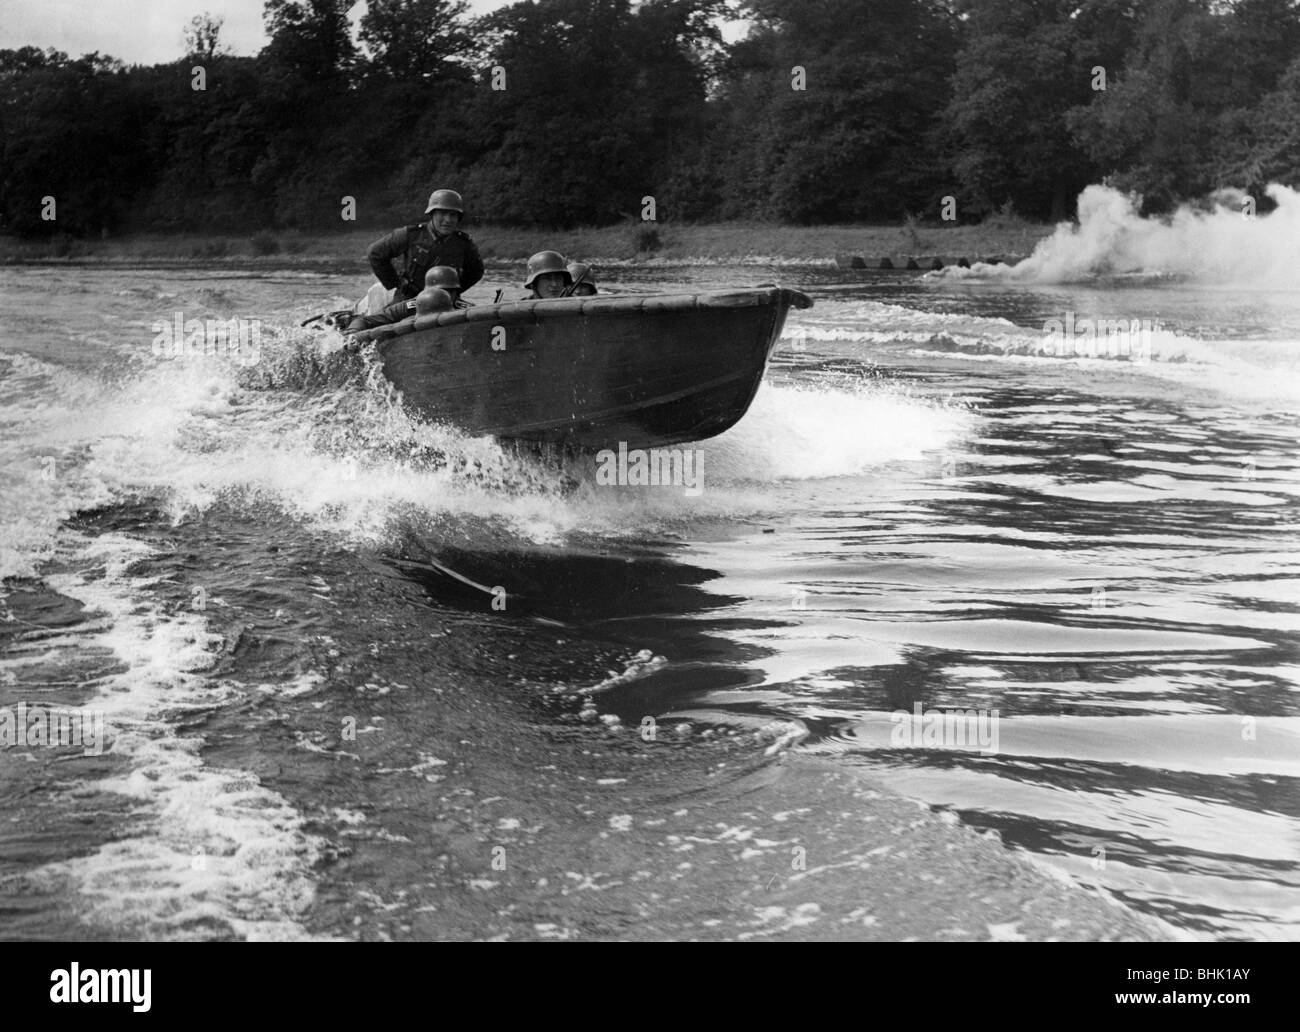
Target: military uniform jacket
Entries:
(417, 251)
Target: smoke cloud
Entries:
(1218, 243)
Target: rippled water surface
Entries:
(318, 730)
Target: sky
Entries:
(139, 31)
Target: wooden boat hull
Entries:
(592, 372)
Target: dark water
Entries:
(317, 731)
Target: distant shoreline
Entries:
(644, 244)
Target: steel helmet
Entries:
(447, 200)
(443, 276)
(546, 261)
(431, 300)
(580, 271)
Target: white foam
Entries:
(383, 470)
(205, 846)
(801, 432)
(74, 441)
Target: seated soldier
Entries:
(584, 284)
(446, 278)
(440, 277)
(547, 276)
(419, 247)
(424, 309)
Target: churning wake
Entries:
(321, 436)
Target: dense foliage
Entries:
(567, 112)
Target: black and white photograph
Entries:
(651, 470)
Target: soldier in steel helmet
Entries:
(418, 248)
(444, 277)
(441, 281)
(402, 259)
(548, 276)
(584, 282)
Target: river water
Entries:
(311, 729)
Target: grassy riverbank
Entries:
(708, 243)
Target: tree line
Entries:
(559, 113)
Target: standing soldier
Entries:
(418, 248)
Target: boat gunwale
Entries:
(530, 310)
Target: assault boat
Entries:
(589, 373)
